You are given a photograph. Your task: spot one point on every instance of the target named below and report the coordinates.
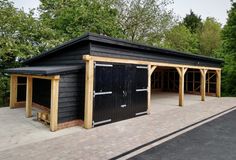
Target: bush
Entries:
(4, 91)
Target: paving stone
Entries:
(22, 138)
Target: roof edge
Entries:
(153, 48)
(120, 42)
(59, 47)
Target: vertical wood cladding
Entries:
(42, 91)
(71, 96)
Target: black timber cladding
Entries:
(71, 96)
(42, 92)
(93, 44)
(21, 89)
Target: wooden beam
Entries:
(181, 72)
(185, 70)
(203, 84)
(13, 91)
(218, 83)
(89, 80)
(153, 69)
(29, 92)
(149, 88)
(54, 104)
(38, 76)
(120, 60)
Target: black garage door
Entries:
(120, 92)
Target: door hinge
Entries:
(101, 93)
(142, 67)
(101, 122)
(141, 90)
(102, 65)
(140, 113)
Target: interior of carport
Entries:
(166, 79)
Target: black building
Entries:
(96, 79)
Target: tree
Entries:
(71, 18)
(145, 20)
(192, 21)
(21, 37)
(210, 37)
(181, 39)
(229, 53)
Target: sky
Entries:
(205, 8)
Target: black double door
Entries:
(120, 92)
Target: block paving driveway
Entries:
(24, 139)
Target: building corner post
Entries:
(89, 83)
(149, 90)
(54, 104)
(13, 91)
(218, 83)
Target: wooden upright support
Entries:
(151, 69)
(218, 83)
(13, 91)
(89, 79)
(29, 90)
(54, 104)
(203, 84)
(181, 71)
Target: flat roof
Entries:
(44, 71)
(92, 37)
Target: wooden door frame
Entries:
(89, 60)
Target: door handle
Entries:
(123, 105)
(124, 93)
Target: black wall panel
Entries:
(42, 92)
(71, 96)
(101, 49)
(21, 89)
(68, 56)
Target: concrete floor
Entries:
(23, 136)
(165, 101)
(16, 130)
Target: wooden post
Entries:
(203, 84)
(89, 80)
(13, 91)
(149, 90)
(54, 104)
(151, 69)
(29, 89)
(181, 71)
(218, 83)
